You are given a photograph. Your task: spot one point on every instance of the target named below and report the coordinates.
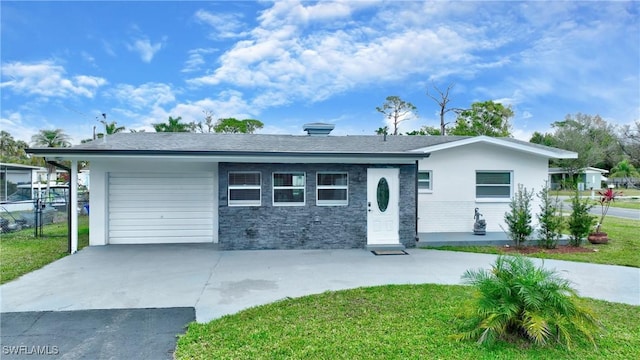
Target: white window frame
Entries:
(494, 198)
(319, 187)
(230, 187)
(293, 187)
(430, 181)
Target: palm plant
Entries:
(172, 125)
(50, 138)
(626, 171)
(516, 298)
(112, 127)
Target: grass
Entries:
(625, 192)
(21, 252)
(623, 247)
(387, 322)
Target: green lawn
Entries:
(623, 247)
(387, 322)
(625, 192)
(21, 252)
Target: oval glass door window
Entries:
(382, 194)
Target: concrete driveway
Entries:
(217, 283)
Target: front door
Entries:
(383, 215)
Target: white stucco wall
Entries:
(98, 214)
(449, 206)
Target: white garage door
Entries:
(160, 208)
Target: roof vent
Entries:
(318, 129)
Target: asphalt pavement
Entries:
(93, 334)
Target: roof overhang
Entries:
(530, 149)
(232, 156)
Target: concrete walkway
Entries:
(217, 283)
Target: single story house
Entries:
(257, 191)
(589, 178)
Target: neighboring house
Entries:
(589, 178)
(12, 175)
(254, 191)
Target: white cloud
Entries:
(225, 25)
(48, 79)
(287, 59)
(196, 59)
(144, 96)
(145, 48)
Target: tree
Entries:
(172, 125)
(204, 127)
(442, 102)
(591, 137)
(518, 219)
(542, 139)
(50, 138)
(425, 130)
(383, 130)
(484, 118)
(396, 111)
(630, 142)
(550, 219)
(626, 171)
(235, 126)
(13, 151)
(112, 127)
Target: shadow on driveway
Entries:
(93, 334)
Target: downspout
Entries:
(417, 200)
(60, 166)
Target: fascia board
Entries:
(498, 142)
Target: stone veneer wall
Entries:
(309, 226)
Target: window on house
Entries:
(493, 184)
(332, 188)
(424, 180)
(245, 188)
(289, 188)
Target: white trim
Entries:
(499, 142)
(244, 187)
(293, 187)
(73, 206)
(319, 187)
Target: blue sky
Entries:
(292, 62)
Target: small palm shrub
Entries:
(518, 219)
(516, 298)
(549, 219)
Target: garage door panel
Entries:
(147, 208)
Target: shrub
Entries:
(518, 218)
(580, 221)
(549, 219)
(517, 299)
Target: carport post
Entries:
(73, 213)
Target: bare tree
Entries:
(443, 101)
(397, 111)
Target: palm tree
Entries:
(173, 125)
(626, 171)
(112, 127)
(50, 138)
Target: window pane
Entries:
(424, 176)
(288, 195)
(290, 179)
(332, 179)
(332, 194)
(493, 191)
(493, 178)
(244, 194)
(424, 185)
(239, 179)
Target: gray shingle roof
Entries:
(149, 142)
